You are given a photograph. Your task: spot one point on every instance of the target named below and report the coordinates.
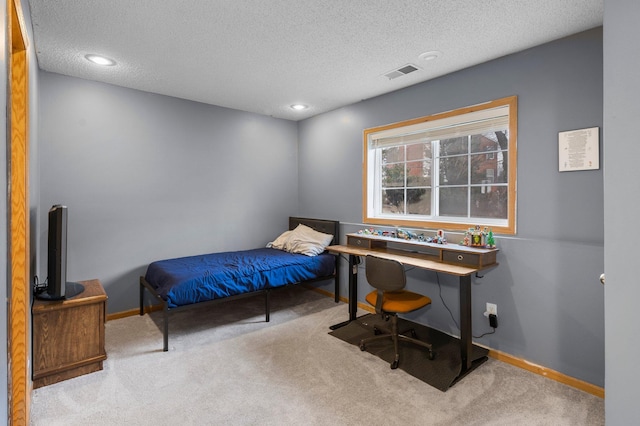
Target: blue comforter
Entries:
(194, 279)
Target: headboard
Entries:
(327, 226)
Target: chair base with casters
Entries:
(390, 299)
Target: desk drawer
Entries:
(364, 242)
(460, 258)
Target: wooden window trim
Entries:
(510, 228)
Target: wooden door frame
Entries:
(19, 380)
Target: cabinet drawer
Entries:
(460, 258)
(364, 242)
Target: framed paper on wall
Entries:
(579, 150)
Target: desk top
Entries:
(447, 258)
(407, 258)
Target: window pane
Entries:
(419, 173)
(393, 175)
(491, 141)
(419, 201)
(453, 170)
(453, 202)
(454, 146)
(393, 201)
(392, 155)
(419, 151)
(489, 201)
(485, 142)
(487, 169)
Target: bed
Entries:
(295, 256)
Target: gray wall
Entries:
(621, 211)
(550, 302)
(147, 177)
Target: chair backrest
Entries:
(385, 274)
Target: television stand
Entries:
(70, 290)
(68, 335)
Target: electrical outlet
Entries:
(492, 309)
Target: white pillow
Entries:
(280, 242)
(310, 242)
(302, 240)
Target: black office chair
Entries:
(390, 299)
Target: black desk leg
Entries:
(354, 261)
(466, 344)
(465, 322)
(336, 280)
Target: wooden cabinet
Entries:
(68, 335)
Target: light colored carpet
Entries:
(226, 366)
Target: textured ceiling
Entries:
(264, 55)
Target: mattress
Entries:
(200, 278)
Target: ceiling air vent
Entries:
(404, 70)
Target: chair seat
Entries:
(401, 302)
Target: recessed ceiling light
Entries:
(299, 107)
(430, 55)
(100, 60)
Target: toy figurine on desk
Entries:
(475, 237)
(408, 235)
(439, 238)
(491, 242)
(371, 231)
(368, 231)
(405, 235)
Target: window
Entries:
(451, 170)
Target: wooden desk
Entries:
(68, 335)
(450, 259)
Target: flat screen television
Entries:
(58, 288)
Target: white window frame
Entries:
(501, 113)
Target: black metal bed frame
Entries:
(327, 226)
